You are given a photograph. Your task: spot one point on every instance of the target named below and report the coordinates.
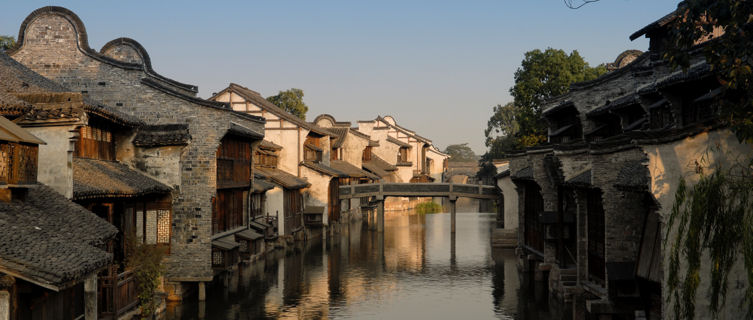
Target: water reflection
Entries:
(417, 268)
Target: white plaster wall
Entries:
(404, 173)
(353, 149)
(55, 158)
(318, 193)
(510, 195)
(668, 163)
(436, 168)
(275, 207)
(162, 163)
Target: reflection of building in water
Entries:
(404, 243)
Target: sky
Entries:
(437, 66)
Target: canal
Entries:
(417, 270)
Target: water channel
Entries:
(420, 272)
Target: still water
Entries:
(415, 270)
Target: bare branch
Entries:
(571, 5)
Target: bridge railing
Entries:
(419, 190)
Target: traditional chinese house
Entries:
(594, 201)
(51, 249)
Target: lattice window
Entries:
(218, 259)
(163, 226)
(151, 227)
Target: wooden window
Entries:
(366, 154)
(534, 230)
(229, 209)
(293, 208)
(233, 163)
(18, 163)
(310, 153)
(150, 222)
(218, 258)
(595, 221)
(257, 205)
(402, 154)
(95, 142)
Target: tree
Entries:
(541, 76)
(291, 100)
(460, 152)
(577, 4)
(730, 55)
(6, 42)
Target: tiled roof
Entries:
(523, 174)
(242, 131)
(248, 234)
(225, 243)
(633, 175)
(321, 168)
(340, 134)
(162, 135)
(261, 186)
(266, 144)
(258, 100)
(351, 170)
(51, 241)
(398, 142)
(284, 179)
(99, 178)
(379, 166)
(654, 25)
(618, 103)
(582, 179)
(10, 131)
(28, 94)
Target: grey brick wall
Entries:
(53, 46)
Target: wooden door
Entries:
(334, 200)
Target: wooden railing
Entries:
(118, 293)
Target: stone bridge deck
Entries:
(378, 191)
(449, 190)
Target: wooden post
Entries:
(4, 305)
(452, 214)
(380, 215)
(202, 291)
(90, 297)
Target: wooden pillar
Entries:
(202, 291)
(90, 297)
(380, 215)
(452, 214)
(4, 305)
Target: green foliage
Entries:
(715, 216)
(460, 152)
(730, 55)
(428, 207)
(541, 76)
(6, 42)
(291, 100)
(146, 262)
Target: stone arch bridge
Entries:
(452, 191)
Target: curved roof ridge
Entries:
(147, 61)
(83, 42)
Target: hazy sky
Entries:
(437, 66)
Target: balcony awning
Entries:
(248, 234)
(225, 243)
